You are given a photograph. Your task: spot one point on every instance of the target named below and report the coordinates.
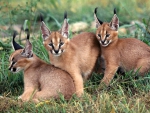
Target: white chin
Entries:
(56, 54)
(105, 45)
(17, 70)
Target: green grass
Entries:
(126, 94)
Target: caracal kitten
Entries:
(41, 80)
(77, 56)
(127, 53)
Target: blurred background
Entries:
(13, 13)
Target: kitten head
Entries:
(55, 42)
(106, 32)
(20, 58)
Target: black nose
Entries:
(102, 42)
(56, 51)
(14, 69)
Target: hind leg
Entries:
(43, 95)
(143, 67)
(28, 93)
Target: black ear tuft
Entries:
(41, 17)
(28, 33)
(115, 11)
(15, 45)
(95, 10)
(100, 21)
(65, 15)
(14, 35)
(27, 52)
(65, 27)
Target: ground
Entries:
(126, 94)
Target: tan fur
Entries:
(127, 53)
(46, 80)
(78, 57)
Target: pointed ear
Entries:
(27, 51)
(15, 45)
(65, 27)
(114, 24)
(45, 31)
(98, 21)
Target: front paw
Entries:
(35, 100)
(79, 93)
(102, 87)
(24, 98)
(20, 97)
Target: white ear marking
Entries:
(45, 31)
(114, 24)
(64, 29)
(27, 51)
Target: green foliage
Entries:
(9, 83)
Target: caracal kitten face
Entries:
(41, 80)
(127, 53)
(77, 56)
(55, 42)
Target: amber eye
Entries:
(13, 63)
(51, 43)
(99, 35)
(13, 60)
(61, 43)
(107, 35)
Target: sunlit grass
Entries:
(125, 94)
